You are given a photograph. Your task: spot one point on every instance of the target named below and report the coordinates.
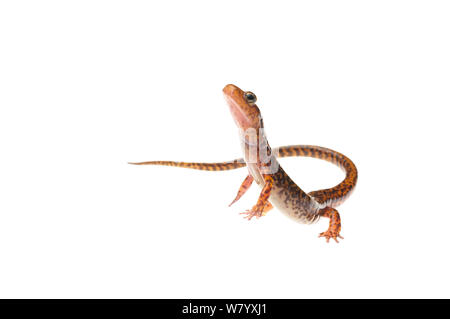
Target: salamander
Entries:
(277, 188)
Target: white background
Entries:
(86, 86)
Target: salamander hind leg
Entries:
(335, 224)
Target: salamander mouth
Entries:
(240, 117)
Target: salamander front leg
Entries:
(267, 208)
(262, 205)
(335, 224)
(244, 187)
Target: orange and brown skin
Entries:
(263, 167)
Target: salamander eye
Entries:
(250, 97)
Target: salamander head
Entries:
(243, 108)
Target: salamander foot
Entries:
(330, 234)
(335, 224)
(257, 212)
(250, 213)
